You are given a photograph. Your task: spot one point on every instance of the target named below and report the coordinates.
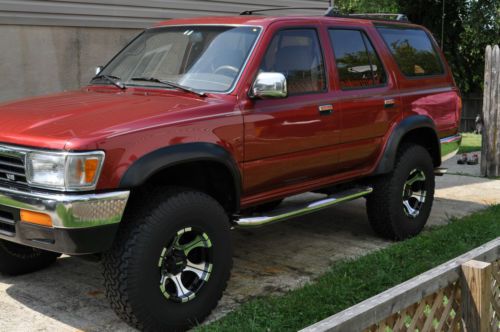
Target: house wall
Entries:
(53, 45)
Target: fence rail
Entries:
(432, 301)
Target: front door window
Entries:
(296, 53)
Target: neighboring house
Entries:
(53, 45)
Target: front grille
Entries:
(7, 223)
(12, 166)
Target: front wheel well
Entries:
(209, 177)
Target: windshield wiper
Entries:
(116, 81)
(170, 84)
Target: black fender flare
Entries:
(386, 163)
(148, 165)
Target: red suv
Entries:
(201, 125)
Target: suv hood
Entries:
(59, 121)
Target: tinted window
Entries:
(297, 54)
(413, 51)
(357, 62)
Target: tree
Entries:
(429, 13)
(481, 28)
(469, 25)
(367, 6)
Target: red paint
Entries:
(282, 146)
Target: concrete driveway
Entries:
(69, 295)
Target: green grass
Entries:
(470, 143)
(350, 282)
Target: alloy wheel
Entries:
(414, 193)
(185, 265)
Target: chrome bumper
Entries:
(69, 211)
(450, 146)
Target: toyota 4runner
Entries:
(201, 125)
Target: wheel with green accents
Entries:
(401, 201)
(170, 262)
(185, 265)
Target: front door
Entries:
(291, 140)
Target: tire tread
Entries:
(139, 221)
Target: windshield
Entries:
(202, 58)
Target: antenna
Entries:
(442, 24)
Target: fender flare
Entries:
(386, 163)
(148, 165)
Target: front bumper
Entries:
(450, 146)
(82, 223)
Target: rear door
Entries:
(369, 101)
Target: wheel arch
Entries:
(191, 165)
(418, 129)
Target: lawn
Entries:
(352, 281)
(470, 143)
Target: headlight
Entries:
(68, 171)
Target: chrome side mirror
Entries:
(98, 70)
(269, 85)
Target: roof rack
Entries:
(251, 12)
(398, 17)
(333, 12)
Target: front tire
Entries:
(170, 263)
(401, 201)
(16, 259)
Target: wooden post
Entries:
(490, 155)
(476, 296)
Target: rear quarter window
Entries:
(413, 50)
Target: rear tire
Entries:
(156, 248)
(401, 201)
(16, 259)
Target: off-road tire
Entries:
(384, 206)
(131, 273)
(16, 259)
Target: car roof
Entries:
(264, 21)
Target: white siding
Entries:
(129, 13)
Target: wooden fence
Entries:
(472, 105)
(490, 156)
(460, 295)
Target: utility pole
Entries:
(442, 24)
(332, 3)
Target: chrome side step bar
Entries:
(283, 214)
(440, 171)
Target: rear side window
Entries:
(413, 50)
(357, 62)
(297, 54)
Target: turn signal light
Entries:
(36, 218)
(91, 166)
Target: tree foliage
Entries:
(367, 6)
(481, 28)
(469, 25)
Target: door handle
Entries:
(325, 109)
(388, 103)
